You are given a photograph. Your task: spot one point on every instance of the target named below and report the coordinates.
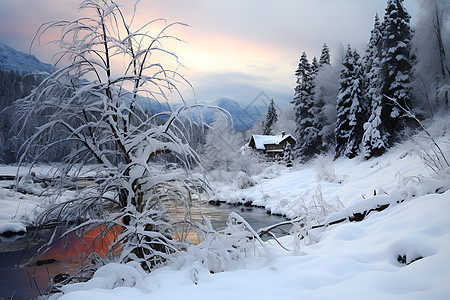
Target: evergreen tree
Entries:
(375, 136)
(395, 66)
(326, 85)
(325, 56)
(13, 86)
(271, 118)
(373, 51)
(303, 104)
(316, 109)
(351, 109)
(314, 66)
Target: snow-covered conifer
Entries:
(351, 110)
(374, 141)
(271, 118)
(325, 56)
(315, 65)
(326, 86)
(396, 66)
(307, 144)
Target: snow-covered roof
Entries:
(261, 140)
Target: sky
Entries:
(233, 48)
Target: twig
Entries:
(410, 114)
(276, 240)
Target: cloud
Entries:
(242, 87)
(234, 48)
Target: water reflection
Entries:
(218, 215)
(67, 255)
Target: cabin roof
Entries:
(261, 140)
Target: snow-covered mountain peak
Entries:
(243, 118)
(227, 102)
(13, 60)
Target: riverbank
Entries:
(398, 249)
(400, 253)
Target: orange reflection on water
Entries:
(97, 240)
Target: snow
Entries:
(17, 207)
(23, 208)
(11, 226)
(350, 261)
(12, 60)
(286, 191)
(401, 252)
(261, 140)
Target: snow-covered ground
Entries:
(340, 183)
(18, 210)
(401, 252)
(349, 261)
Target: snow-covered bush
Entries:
(435, 157)
(226, 156)
(432, 147)
(243, 180)
(227, 249)
(222, 145)
(325, 169)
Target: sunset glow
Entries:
(231, 49)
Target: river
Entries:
(29, 282)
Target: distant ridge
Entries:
(13, 60)
(243, 118)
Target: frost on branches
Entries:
(105, 110)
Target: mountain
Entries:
(13, 60)
(243, 118)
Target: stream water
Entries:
(29, 282)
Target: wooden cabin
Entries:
(272, 145)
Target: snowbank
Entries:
(374, 259)
(337, 184)
(11, 227)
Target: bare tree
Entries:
(432, 72)
(107, 111)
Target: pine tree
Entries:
(325, 56)
(303, 102)
(321, 104)
(271, 118)
(396, 66)
(315, 66)
(374, 141)
(351, 109)
(316, 109)
(360, 107)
